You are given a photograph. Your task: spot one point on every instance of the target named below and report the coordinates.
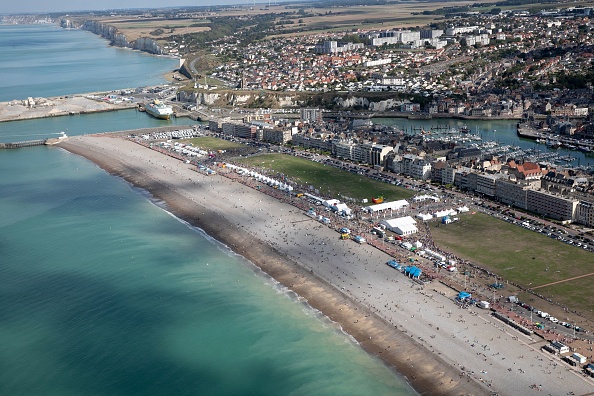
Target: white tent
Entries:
(392, 205)
(330, 202)
(342, 208)
(402, 225)
(447, 212)
(424, 216)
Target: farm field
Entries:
(521, 256)
(327, 179)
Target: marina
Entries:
(499, 138)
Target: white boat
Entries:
(159, 110)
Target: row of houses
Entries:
(525, 186)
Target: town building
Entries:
(276, 135)
(553, 206)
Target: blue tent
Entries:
(464, 295)
(413, 271)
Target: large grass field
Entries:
(327, 179)
(521, 256)
(212, 143)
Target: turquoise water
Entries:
(103, 292)
(14, 131)
(46, 60)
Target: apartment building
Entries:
(276, 135)
(343, 150)
(511, 193)
(465, 180)
(550, 205)
(486, 183)
(239, 130)
(413, 166)
(584, 213)
(311, 115)
(313, 143)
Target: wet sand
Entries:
(439, 348)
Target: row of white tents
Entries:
(442, 213)
(334, 204)
(185, 149)
(421, 198)
(260, 177)
(381, 207)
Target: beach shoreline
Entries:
(232, 213)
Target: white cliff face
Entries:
(147, 45)
(352, 102)
(120, 40)
(381, 105)
(384, 105)
(208, 99)
(237, 98)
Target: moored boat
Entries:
(159, 110)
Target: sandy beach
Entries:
(440, 348)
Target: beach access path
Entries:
(440, 348)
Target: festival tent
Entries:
(464, 295)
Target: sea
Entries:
(104, 292)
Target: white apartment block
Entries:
(343, 150)
(511, 193)
(486, 183)
(413, 166)
(554, 206)
(452, 31)
(584, 213)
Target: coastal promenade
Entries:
(441, 348)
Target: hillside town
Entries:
(482, 65)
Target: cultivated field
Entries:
(329, 180)
(156, 28)
(523, 257)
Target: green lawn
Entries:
(521, 256)
(212, 143)
(329, 180)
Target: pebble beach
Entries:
(440, 348)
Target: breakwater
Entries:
(26, 143)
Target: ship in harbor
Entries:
(159, 109)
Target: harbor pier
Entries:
(26, 143)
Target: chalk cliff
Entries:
(116, 37)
